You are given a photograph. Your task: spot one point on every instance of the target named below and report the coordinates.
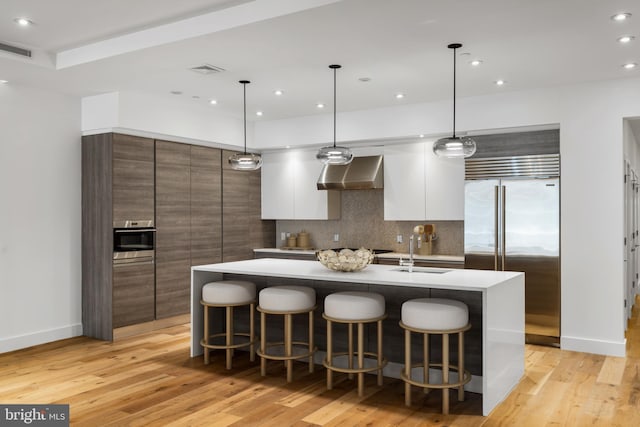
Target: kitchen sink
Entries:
(423, 270)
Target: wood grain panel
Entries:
(242, 228)
(206, 205)
(97, 236)
(173, 224)
(133, 178)
(133, 294)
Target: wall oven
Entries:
(134, 242)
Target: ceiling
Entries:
(87, 47)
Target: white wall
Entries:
(40, 293)
(590, 117)
(179, 119)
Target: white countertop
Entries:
(388, 255)
(374, 274)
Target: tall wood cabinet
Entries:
(204, 213)
(117, 185)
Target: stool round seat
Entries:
(229, 292)
(354, 305)
(287, 298)
(435, 314)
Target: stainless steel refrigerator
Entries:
(512, 223)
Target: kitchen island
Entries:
(495, 299)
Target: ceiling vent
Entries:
(16, 50)
(206, 69)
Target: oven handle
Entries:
(134, 230)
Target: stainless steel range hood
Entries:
(363, 173)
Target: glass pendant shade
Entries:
(245, 161)
(454, 146)
(332, 154)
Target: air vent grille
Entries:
(541, 166)
(206, 69)
(16, 50)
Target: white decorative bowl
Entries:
(346, 259)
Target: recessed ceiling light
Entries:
(365, 79)
(621, 16)
(4, 82)
(278, 92)
(630, 65)
(421, 135)
(288, 146)
(476, 62)
(500, 82)
(399, 95)
(23, 22)
(320, 105)
(258, 113)
(176, 92)
(213, 101)
(625, 39)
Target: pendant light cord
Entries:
(334, 107)
(244, 90)
(454, 92)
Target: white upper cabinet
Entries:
(419, 186)
(289, 187)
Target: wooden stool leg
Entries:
(329, 355)
(379, 352)
(288, 345)
(445, 373)
(263, 343)
(460, 365)
(311, 343)
(360, 359)
(350, 349)
(407, 366)
(206, 334)
(425, 362)
(252, 333)
(229, 337)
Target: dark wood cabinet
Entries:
(242, 227)
(173, 224)
(133, 178)
(133, 294)
(206, 205)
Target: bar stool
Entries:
(356, 308)
(286, 301)
(228, 294)
(441, 317)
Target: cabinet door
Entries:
(173, 223)
(277, 186)
(404, 182)
(133, 297)
(133, 179)
(309, 202)
(444, 187)
(206, 205)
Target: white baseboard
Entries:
(584, 345)
(40, 337)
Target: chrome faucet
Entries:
(410, 262)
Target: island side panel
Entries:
(198, 279)
(504, 340)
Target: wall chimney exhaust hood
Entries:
(363, 173)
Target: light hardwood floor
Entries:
(150, 379)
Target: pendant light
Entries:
(245, 161)
(334, 155)
(454, 146)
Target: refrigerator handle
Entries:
(504, 224)
(495, 217)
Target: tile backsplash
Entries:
(362, 224)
